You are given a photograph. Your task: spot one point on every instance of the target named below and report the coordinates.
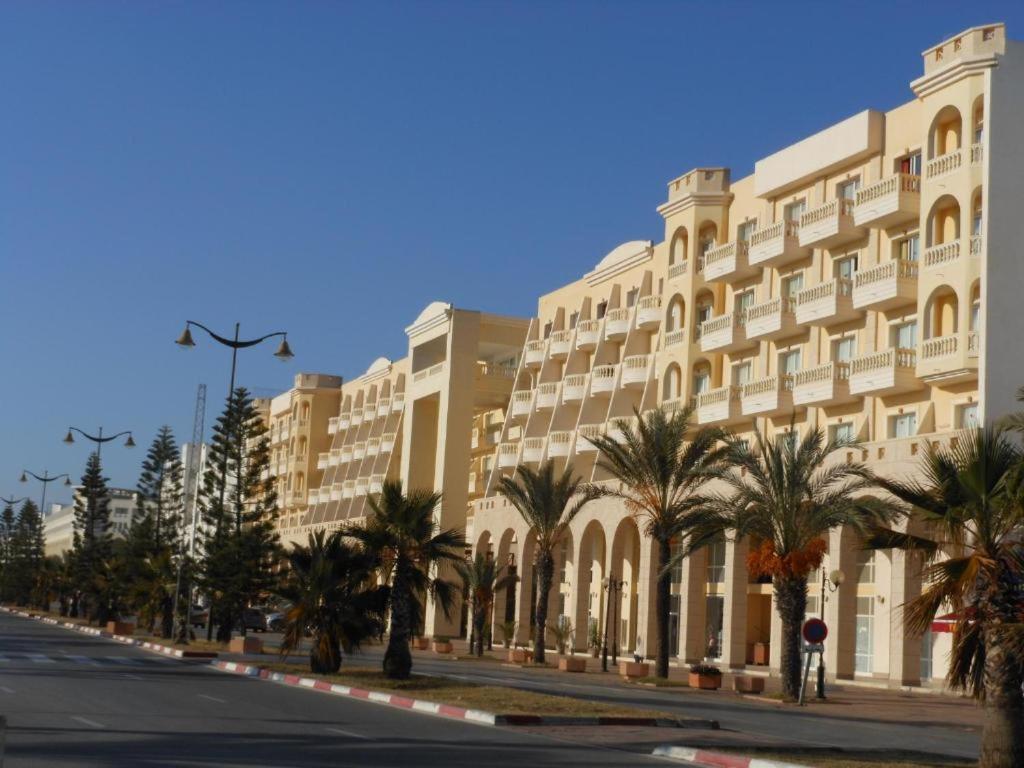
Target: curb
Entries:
(705, 757)
(446, 710)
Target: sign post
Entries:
(814, 633)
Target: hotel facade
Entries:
(863, 281)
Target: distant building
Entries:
(59, 522)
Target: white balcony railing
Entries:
(587, 333)
(383, 406)
(943, 164)
(675, 337)
(896, 357)
(508, 455)
(533, 449)
(648, 312)
(977, 154)
(677, 270)
(616, 323)
(889, 270)
(939, 347)
(574, 386)
(332, 425)
(522, 402)
(559, 443)
(893, 185)
(976, 245)
(535, 352)
(558, 344)
(387, 442)
(585, 434)
(547, 395)
(398, 402)
(833, 371)
(973, 344)
(358, 451)
(603, 378)
(941, 254)
(376, 484)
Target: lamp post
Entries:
(12, 501)
(612, 585)
(99, 439)
(832, 582)
(284, 354)
(45, 480)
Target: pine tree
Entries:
(27, 550)
(7, 523)
(92, 542)
(239, 506)
(160, 489)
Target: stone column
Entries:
(734, 620)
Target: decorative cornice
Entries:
(681, 204)
(597, 276)
(954, 72)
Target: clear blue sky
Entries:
(330, 168)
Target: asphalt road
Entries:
(75, 700)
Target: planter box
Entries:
(762, 652)
(445, 647)
(421, 643)
(120, 627)
(245, 644)
(748, 684)
(631, 669)
(519, 655)
(572, 664)
(705, 682)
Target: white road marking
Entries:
(87, 721)
(82, 660)
(343, 732)
(211, 698)
(5, 689)
(40, 658)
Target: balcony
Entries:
(727, 262)
(369, 413)
(947, 359)
(976, 245)
(887, 285)
(358, 451)
(334, 494)
(383, 407)
(675, 337)
(348, 489)
(533, 449)
(332, 425)
(334, 457)
(547, 395)
(398, 402)
(297, 497)
(344, 421)
(648, 313)
(615, 432)
(373, 446)
(828, 383)
(522, 402)
(346, 454)
(942, 255)
(634, 370)
(356, 416)
(826, 303)
(322, 459)
(376, 484)
(973, 344)
(677, 270)
(616, 324)
(559, 344)
(314, 496)
(587, 334)
(774, 319)
(888, 202)
(977, 154)
(829, 225)
(559, 443)
(724, 333)
(591, 431)
(574, 387)
(776, 245)
(508, 455)
(889, 372)
(387, 442)
(770, 396)
(944, 164)
(603, 379)
(362, 483)
(534, 353)
(720, 405)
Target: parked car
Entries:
(254, 619)
(275, 621)
(198, 616)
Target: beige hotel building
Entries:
(866, 280)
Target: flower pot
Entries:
(748, 684)
(442, 647)
(518, 655)
(120, 627)
(421, 643)
(572, 664)
(762, 652)
(705, 682)
(631, 669)
(247, 644)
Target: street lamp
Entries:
(99, 439)
(284, 354)
(45, 480)
(611, 585)
(832, 582)
(12, 501)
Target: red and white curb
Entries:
(706, 757)
(446, 710)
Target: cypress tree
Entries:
(7, 523)
(91, 545)
(239, 506)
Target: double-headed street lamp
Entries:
(45, 480)
(12, 501)
(612, 585)
(99, 439)
(284, 354)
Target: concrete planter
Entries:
(519, 655)
(421, 643)
(245, 644)
(631, 669)
(748, 684)
(120, 627)
(442, 647)
(572, 664)
(762, 653)
(705, 682)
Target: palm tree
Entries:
(661, 474)
(329, 584)
(410, 549)
(969, 496)
(481, 578)
(547, 505)
(787, 495)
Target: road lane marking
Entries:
(5, 689)
(131, 676)
(40, 658)
(82, 660)
(343, 732)
(120, 659)
(87, 721)
(211, 698)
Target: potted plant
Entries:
(422, 643)
(508, 633)
(518, 654)
(561, 633)
(707, 677)
(594, 639)
(442, 644)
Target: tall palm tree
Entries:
(330, 585)
(547, 504)
(411, 550)
(661, 474)
(787, 494)
(482, 578)
(969, 495)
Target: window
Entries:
(631, 297)
(844, 349)
(847, 190)
(701, 382)
(744, 301)
(976, 218)
(547, 329)
(903, 425)
(904, 335)
(794, 210)
(573, 318)
(841, 433)
(745, 230)
(716, 562)
(741, 373)
(563, 557)
(703, 313)
(845, 267)
(789, 361)
(927, 653)
(715, 613)
(910, 164)
(792, 285)
(676, 572)
(865, 566)
(967, 416)
(975, 314)
(907, 249)
(865, 629)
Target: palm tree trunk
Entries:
(397, 658)
(791, 605)
(663, 597)
(545, 573)
(478, 630)
(1002, 732)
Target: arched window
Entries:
(675, 316)
(677, 251)
(941, 315)
(707, 237)
(978, 121)
(673, 381)
(701, 377)
(946, 131)
(974, 320)
(944, 221)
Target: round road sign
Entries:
(815, 631)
